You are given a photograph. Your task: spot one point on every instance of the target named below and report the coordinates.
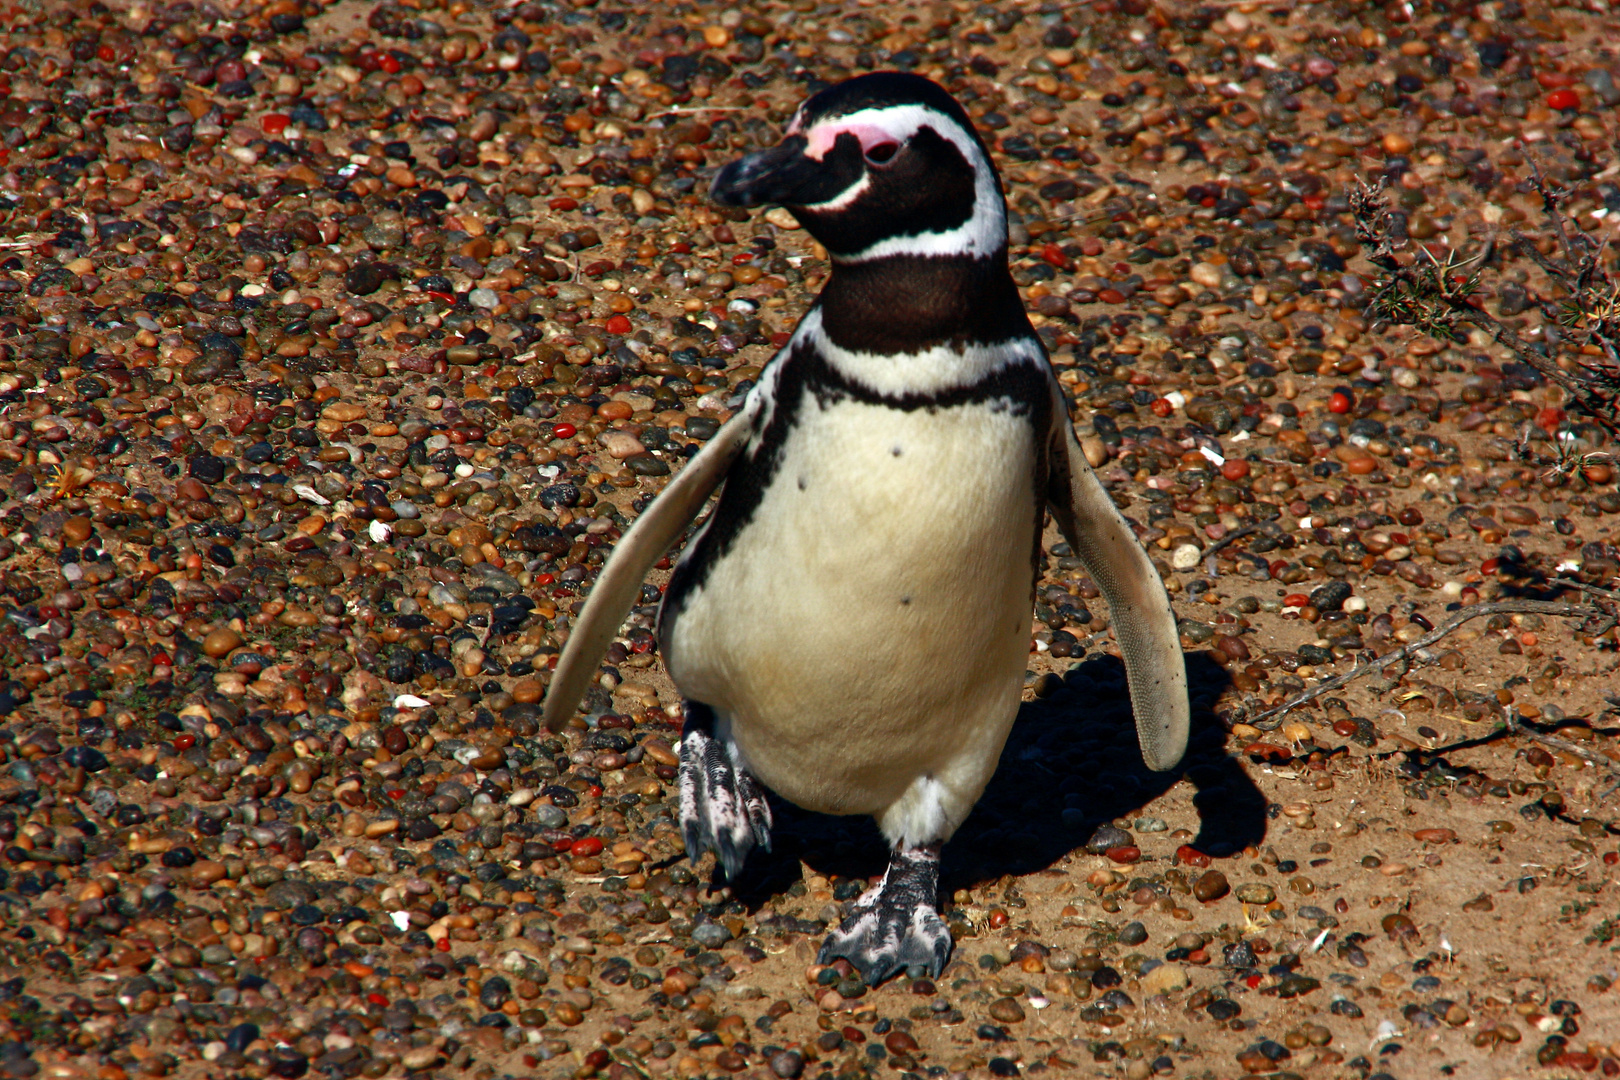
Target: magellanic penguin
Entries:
(851, 625)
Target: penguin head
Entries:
(877, 166)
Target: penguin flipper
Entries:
(1144, 622)
(633, 556)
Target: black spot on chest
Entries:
(1023, 389)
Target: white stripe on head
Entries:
(931, 371)
(982, 234)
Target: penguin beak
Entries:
(783, 174)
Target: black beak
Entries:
(779, 175)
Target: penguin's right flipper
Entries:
(1144, 622)
(634, 555)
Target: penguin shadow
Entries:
(1071, 765)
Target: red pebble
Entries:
(1297, 599)
(564, 431)
(545, 579)
(105, 54)
(1125, 853)
(1575, 1059)
(586, 847)
(1235, 469)
(1254, 981)
(1490, 566)
(1562, 99)
(618, 324)
(185, 741)
(563, 202)
(1611, 857)
(274, 123)
(1264, 751)
(389, 63)
(376, 999)
(443, 945)
(1161, 407)
(396, 793)
(1340, 402)
(1549, 419)
(1190, 856)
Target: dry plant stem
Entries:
(1595, 760)
(1449, 306)
(1501, 607)
(1236, 534)
(1590, 590)
(1509, 339)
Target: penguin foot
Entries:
(893, 926)
(723, 809)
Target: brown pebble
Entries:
(205, 872)
(661, 752)
(1007, 1010)
(899, 1042)
(1211, 885)
(219, 642)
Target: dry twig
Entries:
(1210, 552)
(1596, 760)
(1501, 607)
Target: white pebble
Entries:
(1185, 557)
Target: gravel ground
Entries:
(338, 345)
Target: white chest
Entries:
(883, 581)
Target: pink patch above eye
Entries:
(822, 137)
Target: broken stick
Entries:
(1477, 611)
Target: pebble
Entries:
(1165, 979)
(1210, 885)
(1007, 1011)
(1254, 892)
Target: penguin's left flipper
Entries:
(1144, 623)
(620, 581)
(895, 925)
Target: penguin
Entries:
(850, 625)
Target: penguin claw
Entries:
(723, 809)
(893, 926)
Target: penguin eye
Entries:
(882, 153)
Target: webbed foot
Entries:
(894, 924)
(723, 808)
